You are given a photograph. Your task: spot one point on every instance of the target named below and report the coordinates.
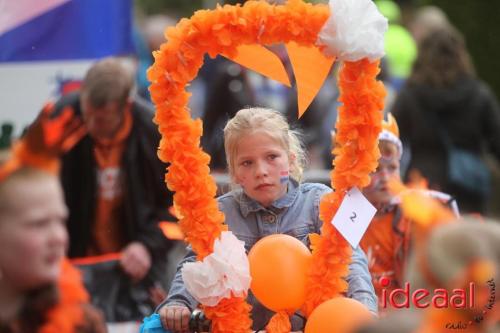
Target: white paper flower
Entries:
(224, 271)
(354, 30)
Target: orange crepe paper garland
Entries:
(357, 154)
(67, 315)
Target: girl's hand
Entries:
(175, 318)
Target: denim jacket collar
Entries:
(248, 205)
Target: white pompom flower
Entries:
(224, 272)
(354, 30)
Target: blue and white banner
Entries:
(36, 30)
(46, 47)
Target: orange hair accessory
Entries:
(44, 141)
(390, 132)
(391, 125)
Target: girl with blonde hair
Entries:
(265, 160)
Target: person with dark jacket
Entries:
(444, 102)
(112, 178)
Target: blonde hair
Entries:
(275, 125)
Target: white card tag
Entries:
(353, 216)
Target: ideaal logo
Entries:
(438, 298)
(486, 308)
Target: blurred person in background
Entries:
(39, 292)
(229, 91)
(426, 20)
(148, 36)
(399, 45)
(451, 257)
(388, 237)
(112, 179)
(444, 105)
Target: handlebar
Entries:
(198, 323)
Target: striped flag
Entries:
(46, 47)
(39, 30)
(284, 177)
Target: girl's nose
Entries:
(260, 169)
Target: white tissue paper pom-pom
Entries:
(221, 273)
(354, 30)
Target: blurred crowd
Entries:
(104, 200)
(432, 90)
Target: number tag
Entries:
(354, 216)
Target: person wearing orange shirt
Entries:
(112, 178)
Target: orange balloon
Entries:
(338, 315)
(278, 266)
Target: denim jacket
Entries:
(295, 214)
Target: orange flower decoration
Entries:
(357, 154)
(67, 315)
(44, 141)
(221, 31)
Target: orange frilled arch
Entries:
(222, 31)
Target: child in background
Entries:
(265, 158)
(387, 239)
(33, 241)
(39, 290)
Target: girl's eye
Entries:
(246, 163)
(272, 156)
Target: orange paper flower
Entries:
(279, 323)
(67, 315)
